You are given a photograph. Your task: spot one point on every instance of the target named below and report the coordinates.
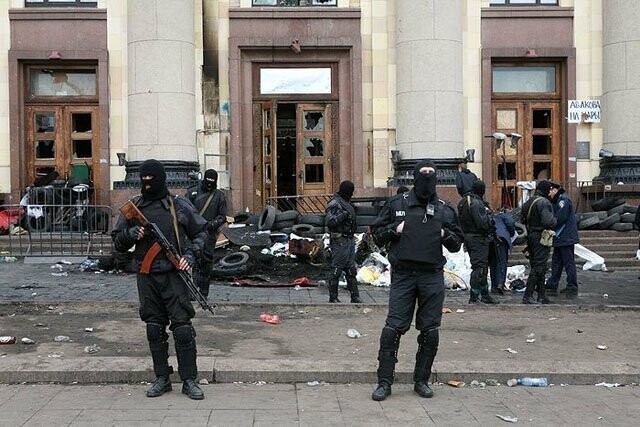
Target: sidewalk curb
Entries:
(91, 370)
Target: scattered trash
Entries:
(301, 281)
(507, 418)
(90, 265)
(579, 331)
(260, 383)
(63, 274)
(492, 382)
(270, 318)
(474, 383)
(8, 259)
(245, 248)
(605, 296)
(91, 349)
(88, 329)
(446, 310)
(593, 261)
(322, 282)
(518, 285)
(609, 385)
(510, 350)
(602, 347)
(65, 262)
(459, 310)
(40, 325)
(203, 381)
(527, 381)
(367, 310)
(33, 294)
(27, 341)
(62, 338)
(313, 383)
(457, 384)
(55, 355)
(352, 333)
(553, 318)
(297, 288)
(531, 338)
(7, 340)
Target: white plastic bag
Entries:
(593, 261)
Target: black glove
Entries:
(214, 225)
(191, 260)
(132, 232)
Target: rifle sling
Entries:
(207, 203)
(151, 254)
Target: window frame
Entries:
(56, 99)
(556, 95)
(297, 97)
(534, 3)
(66, 3)
(298, 5)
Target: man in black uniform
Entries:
(464, 179)
(212, 205)
(341, 220)
(416, 224)
(164, 298)
(537, 215)
(477, 223)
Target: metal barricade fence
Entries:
(55, 229)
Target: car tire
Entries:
(316, 220)
(234, 260)
(267, 218)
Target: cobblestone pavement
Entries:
(321, 405)
(42, 283)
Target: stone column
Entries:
(429, 78)
(161, 86)
(620, 77)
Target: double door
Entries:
(63, 139)
(536, 156)
(293, 151)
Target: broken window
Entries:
(45, 149)
(294, 3)
(50, 82)
(314, 121)
(314, 147)
(45, 122)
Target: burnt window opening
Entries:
(45, 149)
(81, 122)
(541, 119)
(511, 170)
(82, 149)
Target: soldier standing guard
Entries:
(164, 298)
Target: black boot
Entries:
(488, 299)
(542, 297)
(381, 392)
(352, 285)
(387, 358)
(191, 389)
(528, 299)
(159, 387)
(428, 341)
(333, 291)
(184, 336)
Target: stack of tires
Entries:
(365, 217)
(609, 213)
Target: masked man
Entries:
(164, 298)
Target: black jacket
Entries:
(541, 217)
(191, 228)
(419, 246)
(464, 181)
(475, 218)
(216, 211)
(341, 216)
(566, 226)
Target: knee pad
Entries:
(428, 340)
(390, 339)
(184, 336)
(156, 333)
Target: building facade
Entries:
(289, 97)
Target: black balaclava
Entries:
(157, 184)
(544, 187)
(210, 181)
(346, 190)
(424, 185)
(478, 187)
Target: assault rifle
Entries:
(130, 212)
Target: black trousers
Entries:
(539, 257)
(164, 299)
(407, 288)
(478, 248)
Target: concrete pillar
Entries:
(161, 94)
(621, 79)
(429, 79)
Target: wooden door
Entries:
(62, 139)
(314, 163)
(537, 156)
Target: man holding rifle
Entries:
(167, 233)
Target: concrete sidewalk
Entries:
(311, 344)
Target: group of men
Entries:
(413, 225)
